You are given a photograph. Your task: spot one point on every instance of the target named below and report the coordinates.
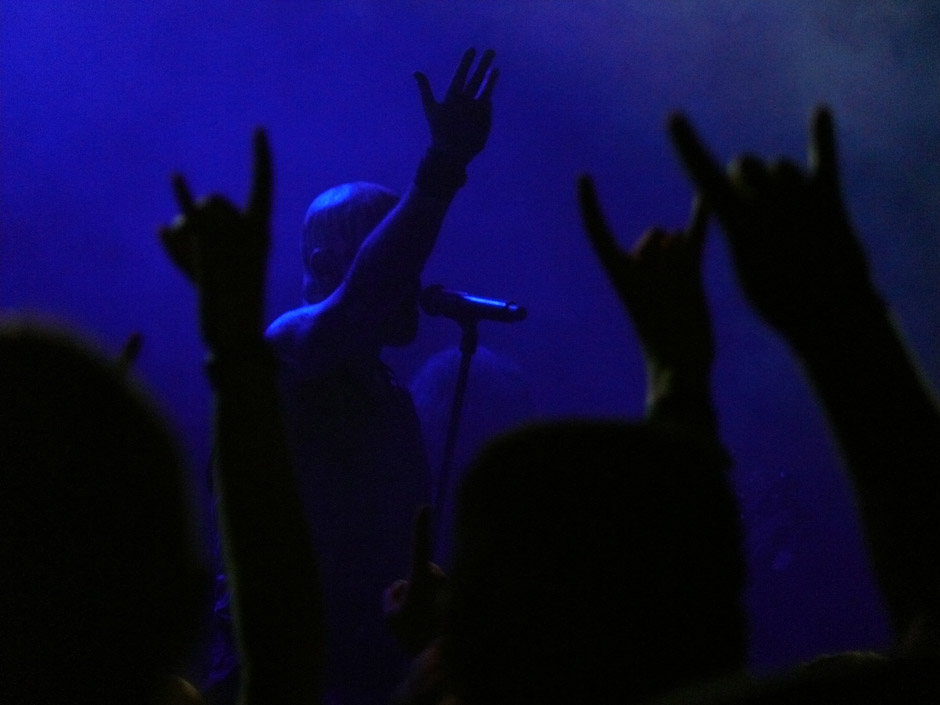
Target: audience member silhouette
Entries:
(102, 588)
(531, 592)
(802, 268)
(268, 555)
(352, 429)
(596, 561)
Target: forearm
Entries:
(395, 253)
(269, 560)
(887, 424)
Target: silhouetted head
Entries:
(337, 222)
(101, 589)
(594, 562)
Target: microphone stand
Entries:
(468, 345)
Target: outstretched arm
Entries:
(389, 262)
(268, 557)
(397, 250)
(659, 281)
(802, 268)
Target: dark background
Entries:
(102, 101)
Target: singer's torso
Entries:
(362, 472)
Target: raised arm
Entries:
(459, 124)
(269, 561)
(389, 262)
(659, 281)
(802, 268)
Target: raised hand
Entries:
(413, 607)
(793, 247)
(223, 251)
(460, 122)
(659, 281)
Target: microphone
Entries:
(464, 308)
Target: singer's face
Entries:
(402, 326)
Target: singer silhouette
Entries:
(354, 433)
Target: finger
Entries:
(183, 196)
(427, 95)
(421, 546)
(697, 227)
(822, 149)
(488, 84)
(476, 80)
(259, 202)
(701, 167)
(599, 233)
(460, 75)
